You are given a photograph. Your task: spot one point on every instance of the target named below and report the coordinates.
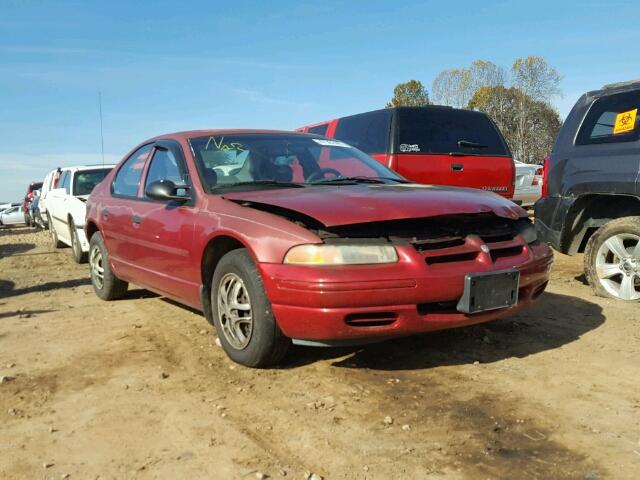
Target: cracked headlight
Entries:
(527, 230)
(340, 254)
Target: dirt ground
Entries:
(138, 388)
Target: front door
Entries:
(164, 230)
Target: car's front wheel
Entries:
(242, 313)
(106, 285)
(612, 259)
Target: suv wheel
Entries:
(54, 235)
(612, 259)
(106, 285)
(242, 313)
(78, 255)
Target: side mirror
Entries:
(164, 190)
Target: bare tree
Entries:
(452, 87)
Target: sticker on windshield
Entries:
(330, 143)
(625, 121)
(409, 147)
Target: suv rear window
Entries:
(611, 119)
(445, 130)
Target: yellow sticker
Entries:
(625, 121)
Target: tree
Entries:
(452, 87)
(529, 126)
(409, 94)
(456, 86)
(537, 79)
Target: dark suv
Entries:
(591, 192)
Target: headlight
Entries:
(340, 254)
(527, 230)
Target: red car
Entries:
(434, 145)
(281, 236)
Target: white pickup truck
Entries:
(66, 207)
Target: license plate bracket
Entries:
(489, 291)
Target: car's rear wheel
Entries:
(55, 241)
(612, 259)
(242, 313)
(106, 285)
(78, 255)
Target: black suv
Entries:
(591, 193)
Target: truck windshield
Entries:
(446, 131)
(282, 160)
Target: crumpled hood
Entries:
(346, 205)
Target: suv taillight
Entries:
(545, 178)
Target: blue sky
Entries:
(166, 66)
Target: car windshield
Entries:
(281, 160)
(86, 180)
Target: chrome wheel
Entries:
(234, 311)
(618, 266)
(97, 269)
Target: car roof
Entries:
(204, 133)
(612, 88)
(78, 168)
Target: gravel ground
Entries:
(138, 388)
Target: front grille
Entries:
(458, 257)
(498, 253)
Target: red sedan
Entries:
(281, 237)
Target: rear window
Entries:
(368, 132)
(611, 119)
(435, 130)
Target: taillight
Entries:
(545, 178)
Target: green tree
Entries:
(409, 94)
(529, 126)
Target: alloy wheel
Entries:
(618, 266)
(97, 269)
(234, 311)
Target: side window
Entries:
(165, 166)
(368, 132)
(128, 177)
(611, 119)
(65, 181)
(319, 129)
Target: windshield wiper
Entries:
(348, 180)
(273, 183)
(469, 144)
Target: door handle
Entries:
(457, 167)
(136, 219)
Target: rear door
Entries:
(606, 155)
(117, 211)
(446, 146)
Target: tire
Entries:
(76, 249)
(54, 235)
(258, 342)
(106, 285)
(612, 259)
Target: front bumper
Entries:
(385, 301)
